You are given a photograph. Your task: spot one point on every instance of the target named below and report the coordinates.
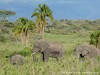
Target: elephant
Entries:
(17, 59)
(47, 49)
(87, 51)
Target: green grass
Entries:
(69, 65)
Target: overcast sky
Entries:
(62, 9)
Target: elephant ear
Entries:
(43, 45)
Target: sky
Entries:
(62, 9)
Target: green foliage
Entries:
(9, 24)
(23, 26)
(3, 38)
(5, 31)
(6, 24)
(5, 54)
(69, 63)
(22, 30)
(42, 13)
(26, 52)
(95, 38)
(72, 26)
(5, 13)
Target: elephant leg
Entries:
(59, 56)
(45, 56)
(42, 56)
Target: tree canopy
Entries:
(23, 29)
(95, 38)
(4, 14)
(42, 14)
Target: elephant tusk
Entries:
(33, 53)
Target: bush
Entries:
(5, 31)
(26, 51)
(5, 54)
(95, 39)
(3, 39)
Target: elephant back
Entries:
(93, 51)
(17, 59)
(41, 45)
(85, 50)
(56, 46)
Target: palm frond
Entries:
(35, 14)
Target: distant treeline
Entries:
(63, 26)
(73, 26)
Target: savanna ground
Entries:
(69, 65)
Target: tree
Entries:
(95, 39)
(42, 13)
(4, 14)
(23, 29)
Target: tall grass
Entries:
(68, 65)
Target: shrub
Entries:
(3, 39)
(5, 31)
(95, 38)
(26, 51)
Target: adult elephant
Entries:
(87, 51)
(47, 50)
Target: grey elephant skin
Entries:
(17, 59)
(47, 49)
(87, 51)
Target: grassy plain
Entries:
(69, 65)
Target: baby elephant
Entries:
(87, 51)
(17, 59)
(47, 50)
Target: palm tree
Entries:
(42, 13)
(23, 29)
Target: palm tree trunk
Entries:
(42, 34)
(22, 38)
(42, 31)
(27, 40)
